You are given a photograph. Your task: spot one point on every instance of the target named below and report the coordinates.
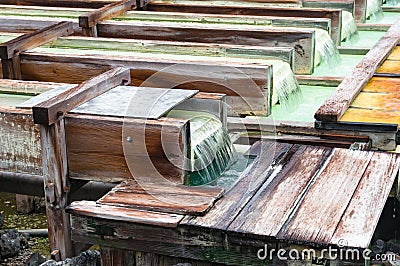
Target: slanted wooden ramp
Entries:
(307, 195)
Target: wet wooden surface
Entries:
(294, 193)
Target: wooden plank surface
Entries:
(163, 197)
(302, 39)
(371, 116)
(26, 87)
(383, 84)
(318, 215)
(359, 221)
(395, 55)
(380, 101)
(33, 40)
(49, 111)
(272, 158)
(335, 107)
(96, 151)
(389, 67)
(130, 215)
(333, 14)
(107, 12)
(272, 206)
(61, 3)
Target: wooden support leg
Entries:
(25, 204)
(11, 68)
(90, 31)
(117, 257)
(55, 172)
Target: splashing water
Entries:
(211, 152)
(374, 9)
(349, 27)
(326, 49)
(286, 89)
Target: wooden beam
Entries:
(335, 15)
(302, 40)
(61, 3)
(335, 107)
(89, 20)
(53, 109)
(32, 40)
(348, 5)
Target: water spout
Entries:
(374, 9)
(326, 50)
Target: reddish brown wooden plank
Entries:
(61, 3)
(129, 215)
(316, 218)
(49, 111)
(164, 197)
(359, 222)
(273, 156)
(107, 12)
(335, 107)
(270, 208)
(35, 39)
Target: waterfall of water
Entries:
(374, 9)
(349, 26)
(212, 151)
(326, 49)
(286, 89)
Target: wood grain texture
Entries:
(371, 116)
(49, 111)
(389, 67)
(26, 87)
(33, 40)
(56, 187)
(273, 157)
(395, 55)
(19, 141)
(381, 101)
(96, 151)
(363, 213)
(333, 14)
(163, 197)
(273, 204)
(107, 12)
(61, 3)
(11, 68)
(384, 85)
(335, 107)
(131, 215)
(301, 40)
(318, 215)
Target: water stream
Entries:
(326, 50)
(349, 27)
(374, 9)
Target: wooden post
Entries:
(9, 51)
(50, 115)
(88, 22)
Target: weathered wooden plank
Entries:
(348, 5)
(360, 12)
(359, 221)
(26, 87)
(279, 196)
(96, 151)
(335, 107)
(11, 68)
(333, 14)
(20, 142)
(316, 218)
(56, 187)
(223, 76)
(381, 101)
(272, 158)
(395, 55)
(300, 39)
(32, 40)
(89, 21)
(371, 116)
(383, 85)
(107, 12)
(129, 215)
(49, 111)
(163, 197)
(390, 67)
(61, 3)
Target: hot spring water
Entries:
(349, 26)
(374, 9)
(326, 50)
(211, 151)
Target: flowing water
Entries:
(349, 27)
(211, 152)
(12, 99)
(326, 50)
(374, 9)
